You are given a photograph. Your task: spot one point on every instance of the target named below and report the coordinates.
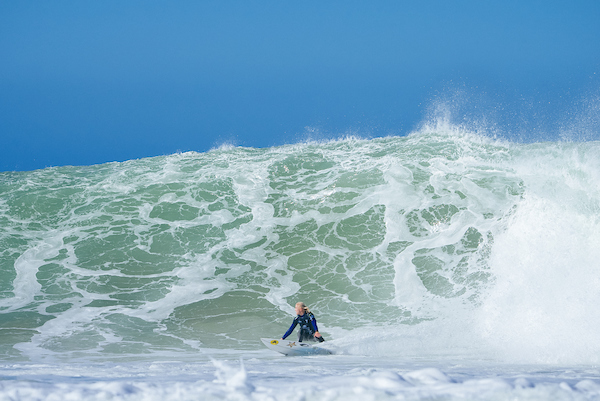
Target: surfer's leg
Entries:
(306, 335)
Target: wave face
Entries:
(441, 241)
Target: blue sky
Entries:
(85, 82)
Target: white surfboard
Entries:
(294, 347)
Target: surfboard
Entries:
(294, 347)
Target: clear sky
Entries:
(87, 82)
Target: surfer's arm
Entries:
(292, 327)
(313, 320)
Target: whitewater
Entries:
(445, 264)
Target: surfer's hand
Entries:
(317, 334)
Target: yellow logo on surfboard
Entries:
(274, 342)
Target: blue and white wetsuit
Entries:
(308, 327)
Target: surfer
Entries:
(308, 325)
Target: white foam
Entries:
(262, 377)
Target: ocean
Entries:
(442, 265)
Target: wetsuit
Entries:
(308, 327)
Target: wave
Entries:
(443, 241)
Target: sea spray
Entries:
(546, 261)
